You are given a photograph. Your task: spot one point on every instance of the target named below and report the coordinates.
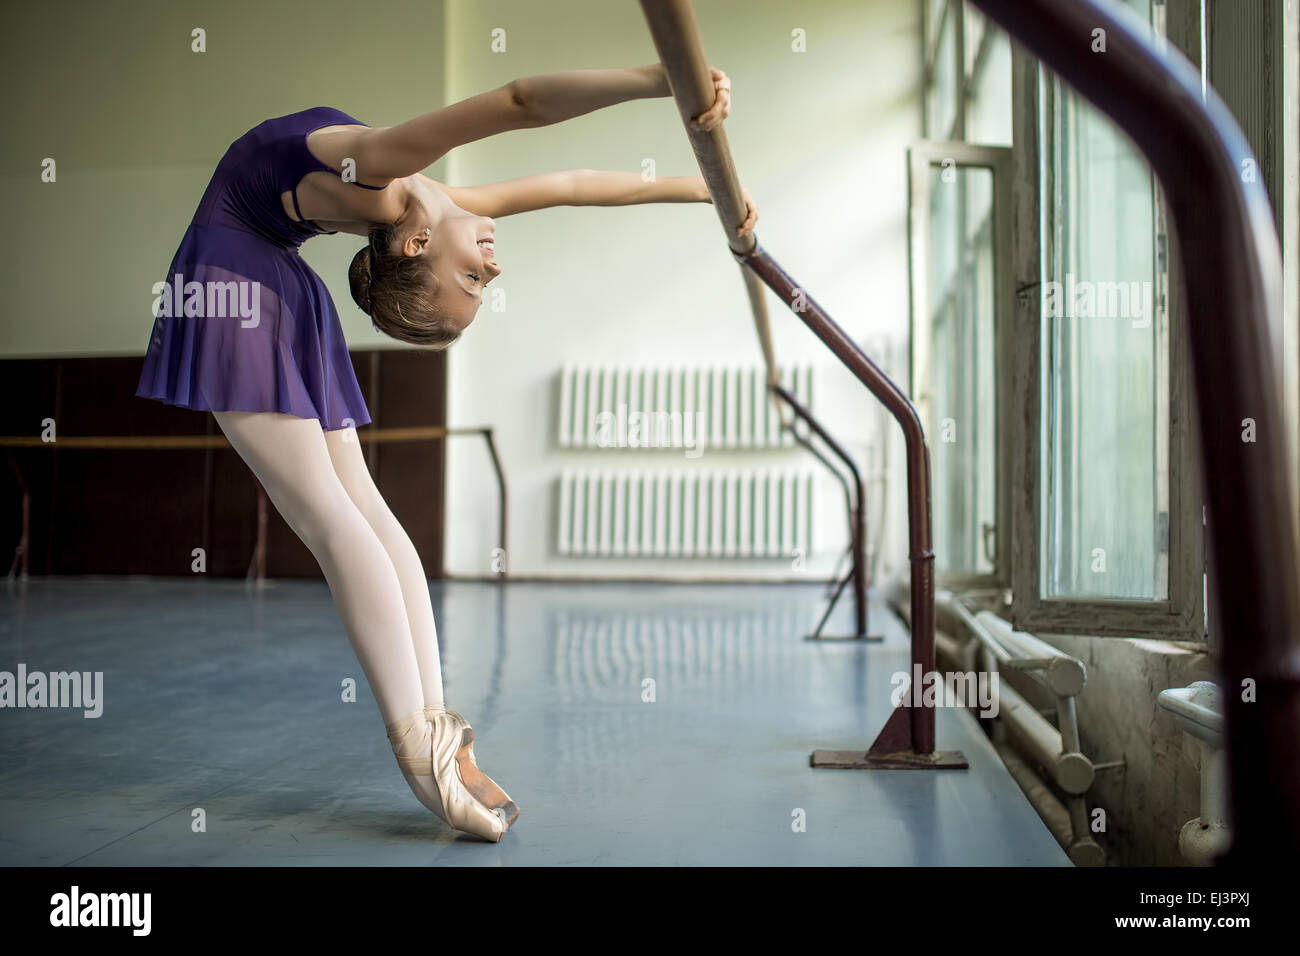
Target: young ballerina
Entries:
(246, 330)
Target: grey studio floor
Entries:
(226, 698)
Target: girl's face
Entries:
(464, 263)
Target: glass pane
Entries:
(945, 90)
(975, 27)
(988, 114)
(963, 420)
(1105, 359)
(934, 14)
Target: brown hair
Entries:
(397, 291)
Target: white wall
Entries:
(137, 121)
(819, 139)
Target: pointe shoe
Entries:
(484, 788)
(437, 779)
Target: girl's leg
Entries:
(290, 458)
(472, 801)
(350, 466)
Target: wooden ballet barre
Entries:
(677, 38)
(257, 567)
(161, 442)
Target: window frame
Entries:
(1181, 614)
(923, 156)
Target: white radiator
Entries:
(631, 407)
(689, 514)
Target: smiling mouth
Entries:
(487, 245)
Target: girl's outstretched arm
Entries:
(584, 187)
(392, 152)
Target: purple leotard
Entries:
(249, 326)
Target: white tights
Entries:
(319, 482)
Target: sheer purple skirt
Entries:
(245, 325)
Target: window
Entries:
(961, 295)
(1112, 485)
(961, 291)
(1061, 457)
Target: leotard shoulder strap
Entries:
(314, 119)
(318, 118)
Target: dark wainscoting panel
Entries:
(145, 512)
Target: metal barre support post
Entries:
(857, 511)
(907, 739)
(1232, 278)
